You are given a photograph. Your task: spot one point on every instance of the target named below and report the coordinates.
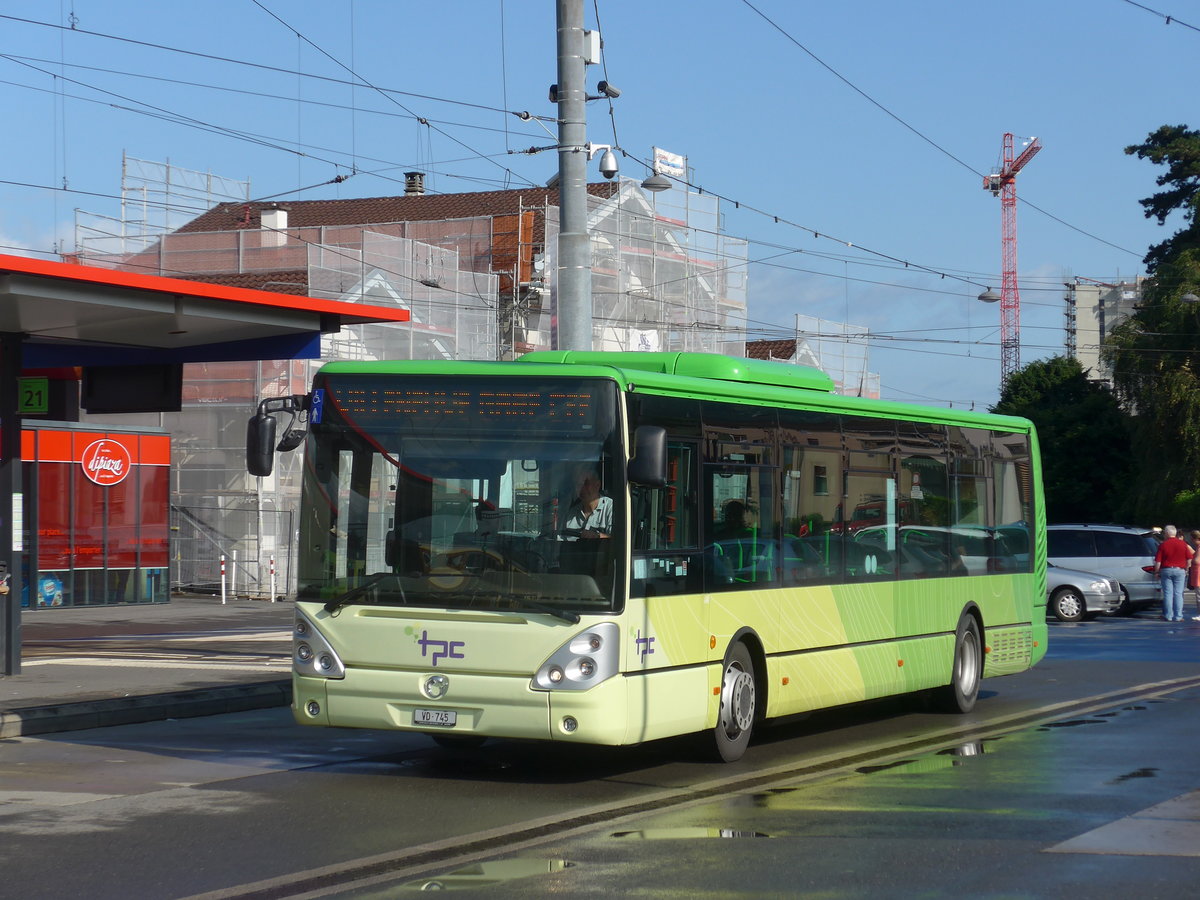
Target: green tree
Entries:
(1154, 355)
(1177, 148)
(1084, 437)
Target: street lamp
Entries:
(1189, 297)
(989, 296)
(657, 182)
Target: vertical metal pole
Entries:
(10, 489)
(574, 250)
(222, 579)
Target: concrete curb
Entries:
(144, 708)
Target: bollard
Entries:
(233, 576)
(272, 579)
(222, 579)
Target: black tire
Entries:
(960, 694)
(1068, 604)
(739, 704)
(1126, 607)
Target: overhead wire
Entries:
(1169, 20)
(504, 80)
(930, 141)
(245, 92)
(890, 259)
(383, 93)
(737, 204)
(612, 114)
(524, 115)
(266, 141)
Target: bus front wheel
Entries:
(960, 694)
(739, 699)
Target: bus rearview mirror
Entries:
(260, 444)
(649, 464)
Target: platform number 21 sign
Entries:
(34, 396)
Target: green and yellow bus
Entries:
(611, 548)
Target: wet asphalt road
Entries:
(1026, 797)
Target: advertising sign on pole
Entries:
(672, 164)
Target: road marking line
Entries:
(97, 662)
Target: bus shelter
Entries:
(55, 315)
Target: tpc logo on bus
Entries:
(440, 649)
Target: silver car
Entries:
(1118, 552)
(1072, 595)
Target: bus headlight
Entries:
(311, 653)
(584, 661)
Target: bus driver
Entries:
(590, 514)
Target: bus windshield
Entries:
(464, 493)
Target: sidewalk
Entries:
(88, 667)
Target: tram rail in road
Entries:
(438, 856)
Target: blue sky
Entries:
(868, 121)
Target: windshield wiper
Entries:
(354, 593)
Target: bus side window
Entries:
(811, 548)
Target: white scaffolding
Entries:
(842, 352)
(156, 199)
(482, 287)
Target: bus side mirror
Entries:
(260, 444)
(649, 464)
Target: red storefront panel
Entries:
(155, 482)
(100, 514)
(89, 507)
(54, 516)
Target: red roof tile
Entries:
(783, 349)
(290, 281)
(369, 210)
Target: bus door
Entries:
(667, 557)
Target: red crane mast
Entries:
(1003, 184)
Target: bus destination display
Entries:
(419, 404)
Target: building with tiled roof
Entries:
(477, 271)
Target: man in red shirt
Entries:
(1170, 565)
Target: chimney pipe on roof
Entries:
(274, 221)
(414, 183)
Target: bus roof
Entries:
(696, 375)
(696, 365)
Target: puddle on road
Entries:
(1136, 773)
(1097, 719)
(693, 833)
(935, 762)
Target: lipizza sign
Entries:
(106, 462)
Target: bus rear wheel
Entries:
(739, 704)
(960, 694)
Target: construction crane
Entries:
(1003, 184)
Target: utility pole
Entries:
(574, 307)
